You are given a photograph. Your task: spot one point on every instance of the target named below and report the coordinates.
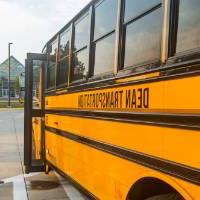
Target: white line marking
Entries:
(19, 188)
(70, 191)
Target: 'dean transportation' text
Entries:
(129, 99)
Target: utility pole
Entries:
(1, 87)
(9, 44)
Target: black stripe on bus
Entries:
(72, 181)
(171, 168)
(184, 121)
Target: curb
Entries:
(9, 109)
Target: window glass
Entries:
(51, 76)
(143, 39)
(63, 61)
(104, 55)
(52, 65)
(189, 25)
(62, 74)
(64, 44)
(81, 33)
(80, 63)
(133, 8)
(53, 52)
(105, 17)
(37, 84)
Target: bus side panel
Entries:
(158, 141)
(171, 96)
(107, 175)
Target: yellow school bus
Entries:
(118, 112)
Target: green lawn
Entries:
(13, 105)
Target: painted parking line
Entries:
(71, 192)
(19, 187)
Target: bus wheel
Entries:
(170, 196)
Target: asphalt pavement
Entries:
(14, 183)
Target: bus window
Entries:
(105, 50)
(134, 8)
(142, 34)
(52, 65)
(81, 32)
(80, 55)
(188, 36)
(104, 35)
(63, 60)
(80, 63)
(64, 44)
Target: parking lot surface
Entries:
(14, 183)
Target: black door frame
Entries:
(29, 112)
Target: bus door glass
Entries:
(34, 152)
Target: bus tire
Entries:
(170, 196)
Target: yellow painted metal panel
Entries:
(182, 95)
(132, 136)
(177, 96)
(92, 168)
(107, 176)
(153, 140)
(139, 97)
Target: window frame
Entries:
(173, 56)
(59, 60)
(96, 5)
(82, 17)
(107, 74)
(114, 31)
(140, 13)
(52, 88)
(87, 13)
(147, 65)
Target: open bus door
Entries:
(34, 139)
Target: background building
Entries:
(17, 77)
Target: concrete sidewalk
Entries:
(16, 185)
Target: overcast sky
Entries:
(29, 24)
